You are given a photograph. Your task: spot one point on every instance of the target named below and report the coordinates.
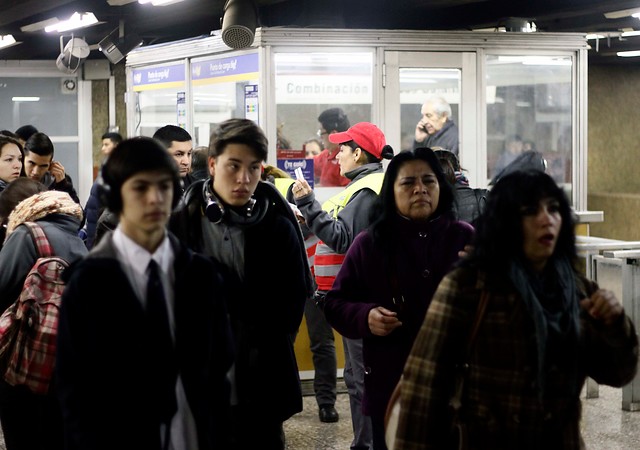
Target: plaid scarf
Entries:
(40, 205)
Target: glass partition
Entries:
(529, 107)
(419, 84)
(224, 87)
(306, 84)
(160, 98)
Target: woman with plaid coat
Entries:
(545, 329)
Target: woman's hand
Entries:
(383, 321)
(301, 188)
(603, 306)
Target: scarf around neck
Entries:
(40, 205)
(555, 316)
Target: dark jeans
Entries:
(354, 379)
(323, 351)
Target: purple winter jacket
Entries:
(422, 255)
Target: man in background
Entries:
(25, 132)
(180, 145)
(93, 208)
(39, 165)
(436, 127)
(325, 165)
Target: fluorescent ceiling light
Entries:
(595, 36)
(536, 60)
(77, 20)
(621, 13)
(159, 2)
(630, 33)
(629, 54)
(25, 99)
(7, 41)
(38, 26)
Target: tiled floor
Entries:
(605, 426)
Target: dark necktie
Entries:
(161, 347)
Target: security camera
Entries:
(72, 55)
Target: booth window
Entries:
(308, 83)
(529, 106)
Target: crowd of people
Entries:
(167, 338)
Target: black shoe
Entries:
(328, 414)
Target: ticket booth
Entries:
(499, 85)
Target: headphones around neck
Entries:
(214, 209)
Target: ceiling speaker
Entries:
(72, 55)
(115, 46)
(239, 23)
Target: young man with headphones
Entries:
(245, 225)
(144, 339)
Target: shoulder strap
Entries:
(39, 239)
(461, 373)
(482, 307)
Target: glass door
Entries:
(412, 79)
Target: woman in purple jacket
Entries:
(391, 270)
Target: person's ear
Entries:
(211, 163)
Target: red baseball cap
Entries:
(368, 137)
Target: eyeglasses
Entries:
(321, 133)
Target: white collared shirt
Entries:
(135, 261)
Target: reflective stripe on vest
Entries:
(328, 262)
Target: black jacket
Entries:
(104, 381)
(275, 268)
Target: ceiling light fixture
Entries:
(77, 20)
(25, 99)
(621, 13)
(629, 54)
(630, 33)
(159, 2)
(7, 41)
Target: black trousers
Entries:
(30, 421)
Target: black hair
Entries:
(334, 119)
(499, 236)
(238, 131)
(40, 144)
(170, 133)
(199, 158)
(116, 138)
(26, 131)
(384, 210)
(131, 156)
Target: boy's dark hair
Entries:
(138, 154)
(170, 133)
(239, 131)
(26, 131)
(40, 144)
(334, 119)
(116, 138)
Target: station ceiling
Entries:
(193, 18)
